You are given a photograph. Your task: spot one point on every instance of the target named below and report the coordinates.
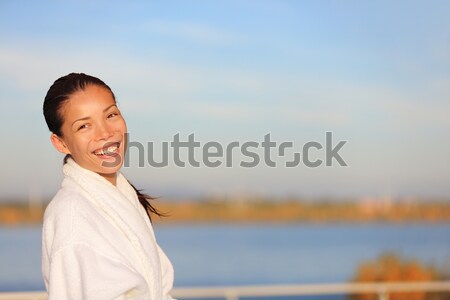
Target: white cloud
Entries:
(412, 114)
(24, 69)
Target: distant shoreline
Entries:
(261, 210)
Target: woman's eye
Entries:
(82, 127)
(112, 115)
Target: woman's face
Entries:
(93, 131)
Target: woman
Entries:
(98, 241)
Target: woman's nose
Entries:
(103, 132)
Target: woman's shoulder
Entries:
(71, 218)
(68, 213)
(67, 201)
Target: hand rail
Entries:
(381, 289)
(234, 292)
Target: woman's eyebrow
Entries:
(87, 118)
(109, 107)
(81, 119)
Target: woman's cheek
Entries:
(123, 125)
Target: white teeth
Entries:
(110, 149)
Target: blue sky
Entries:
(375, 73)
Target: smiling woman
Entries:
(98, 240)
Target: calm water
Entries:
(250, 254)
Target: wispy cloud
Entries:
(194, 32)
(165, 86)
(318, 118)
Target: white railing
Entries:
(235, 292)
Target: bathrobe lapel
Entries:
(121, 206)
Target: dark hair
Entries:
(58, 94)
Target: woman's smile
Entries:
(109, 150)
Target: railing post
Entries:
(231, 295)
(383, 295)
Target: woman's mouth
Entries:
(109, 150)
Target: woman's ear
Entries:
(59, 144)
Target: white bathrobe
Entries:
(98, 242)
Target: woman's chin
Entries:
(106, 168)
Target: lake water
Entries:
(215, 254)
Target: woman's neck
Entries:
(110, 177)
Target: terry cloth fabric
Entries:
(98, 242)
